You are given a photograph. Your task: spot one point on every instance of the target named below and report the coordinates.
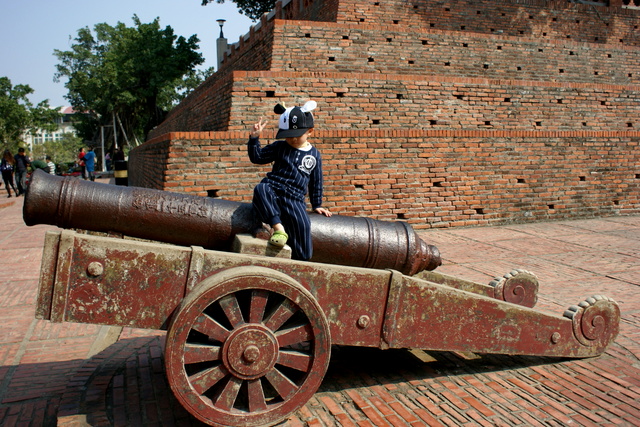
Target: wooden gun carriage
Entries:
(249, 332)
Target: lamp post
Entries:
(221, 43)
(221, 23)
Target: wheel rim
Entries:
(247, 347)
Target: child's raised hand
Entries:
(258, 128)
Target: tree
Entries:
(18, 115)
(63, 151)
(132, 72)
(254, 9)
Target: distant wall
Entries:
(401, 101)
(540, 19)
(434, 75)
(369, 101)
(393, 49)
(427, 178)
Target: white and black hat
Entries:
(294, 121)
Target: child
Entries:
(51, 165)
(279, 199)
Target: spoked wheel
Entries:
(247, 347)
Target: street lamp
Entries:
(221, 44)
(221, 23)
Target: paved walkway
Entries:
(73, 374)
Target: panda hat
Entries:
(294, 121)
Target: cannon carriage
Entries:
(249, 331)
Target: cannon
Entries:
(249, 335)
(213, 223)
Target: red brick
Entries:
(428, 418)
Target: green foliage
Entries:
(18, 115)
(254, 9)
(133, 72)
(86, 125)
(62, 151)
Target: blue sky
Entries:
(30, 30)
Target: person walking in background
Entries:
(90, 163)
(81, 162)
(107, 160)
(52, 166)
(21, 169)
(7, 167)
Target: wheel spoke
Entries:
(283, 385)
(284, 311)
(203, 381)
(295, 335)
(231, 308)
(196, 353)
(295, 360)
(229, 394)
(256, 396)
(210, 327)
(258, 304)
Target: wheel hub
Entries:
(250, 351)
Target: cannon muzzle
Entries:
(188, 220)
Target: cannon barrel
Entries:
(188, 220)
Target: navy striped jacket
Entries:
(295, 171)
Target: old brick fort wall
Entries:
(428, 178)
(434, 112)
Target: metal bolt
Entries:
(95, 269)
(251, 353)
(555, 337)
(363, 321)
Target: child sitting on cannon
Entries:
(279, 199)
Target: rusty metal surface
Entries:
(427, 315)
(247, 347)
(249, 336)
(364, 242)
(110, 281)
(47, 275)
(118, 282)
(517, 287)
(212, 223)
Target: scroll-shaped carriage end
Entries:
(517, 287)
(596, 321)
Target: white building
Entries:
(65, 125)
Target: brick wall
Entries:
(427, 178)
(407, 57)
(205, 109)
(400, 101)
(379, 101)
(438, 113)
(539, 19)
(309, 10)
(390, 49)
(208, 107)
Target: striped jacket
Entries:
(294, 171)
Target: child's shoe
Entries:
(279, 238)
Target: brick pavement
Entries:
(56, 374)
